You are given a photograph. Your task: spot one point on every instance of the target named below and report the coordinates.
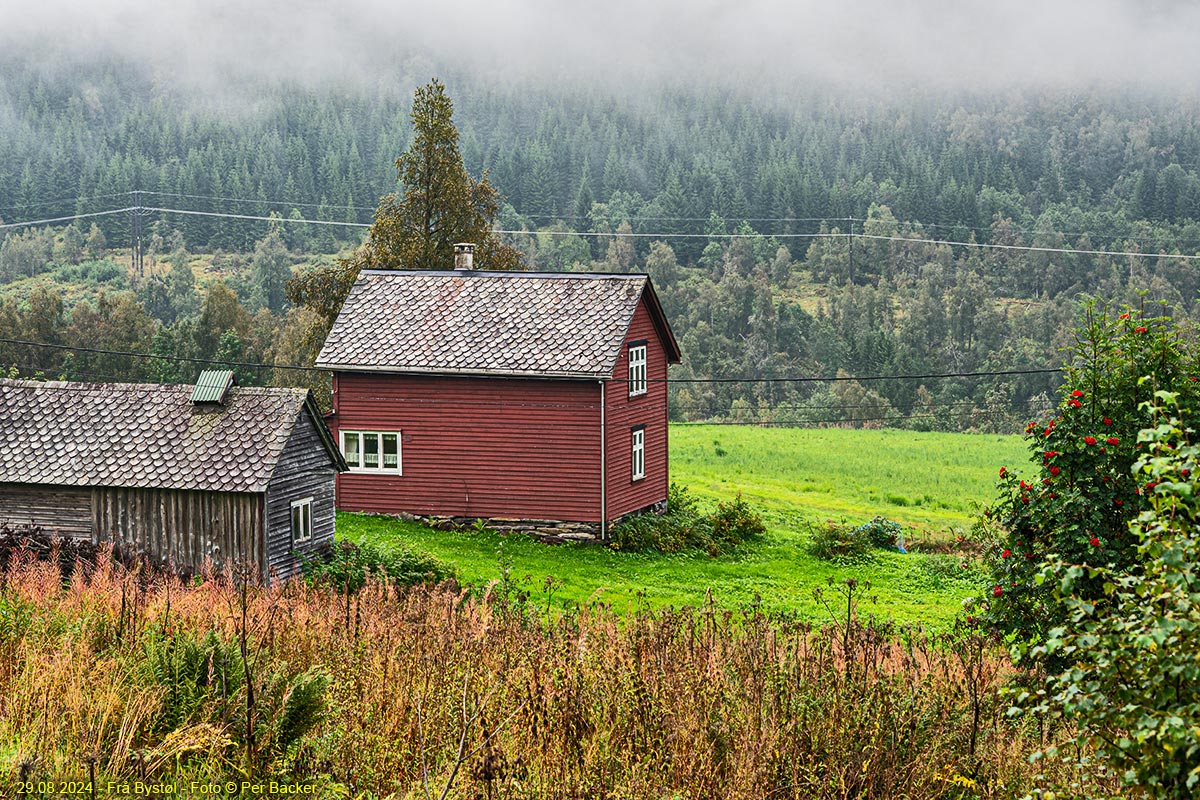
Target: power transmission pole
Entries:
(850, 220)
(135, 250)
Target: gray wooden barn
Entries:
(182, 475)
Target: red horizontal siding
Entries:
(476, 447)
(624, 412)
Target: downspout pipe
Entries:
(603, 467)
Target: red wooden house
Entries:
(512, 395)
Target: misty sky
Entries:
(876, 43)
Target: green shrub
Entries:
(1133, 684)
(736, 522)
(883, 533)
(1079, 502)
(838, 542)
(683, 526)
(348, 566)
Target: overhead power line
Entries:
(850, 236)
(33, 222)
(254, 217)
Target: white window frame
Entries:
(303, 532)
(637, 441)
(637, 369)
(379, 468)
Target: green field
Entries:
(929, 481)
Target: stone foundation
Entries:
(548, 531)
(544, 530)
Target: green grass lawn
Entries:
(929, 481)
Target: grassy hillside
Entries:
(928, 480)
(925, 480)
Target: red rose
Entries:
(997, 591)
(1006, 553)
(1150, 486)
(1141, 329)
(1185, 472)
(1076, 393)
(1075, 403)
(1094, 542)
(1119, 502)
(1113, 440)
(1124, 316)
(1108, 421)
(1003, 471)
(1089, 440)
(1055, 470)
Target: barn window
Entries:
(637, 368)
(638, 438)
(302, 520)
(372, 451)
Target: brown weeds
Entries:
(432, 692)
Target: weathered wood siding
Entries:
(477, 447)
(304, 470)
(624, 412)
(58, 510)
(181, 529)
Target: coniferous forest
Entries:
(822, 233)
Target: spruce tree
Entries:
(441, 203)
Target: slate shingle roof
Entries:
(484, 323)
(142, 435)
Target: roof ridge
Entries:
(24, 383)
(482, 273)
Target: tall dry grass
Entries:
(432, 692)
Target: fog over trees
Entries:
(729, 152)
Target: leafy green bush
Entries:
(348, 566)
(736, 522)
(1133, 685)
(883, 533)
(683, 526)
(838, 542)
(1078, 504)
(92, 273)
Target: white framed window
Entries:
(372, 451)
(301, 520)
(637, 368)
(638, 442)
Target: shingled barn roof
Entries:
(146, 436)
(523, 324)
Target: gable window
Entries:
(637, 368)
(638, 439)
(302, 520)
(372, 451)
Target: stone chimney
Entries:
(464, 255)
